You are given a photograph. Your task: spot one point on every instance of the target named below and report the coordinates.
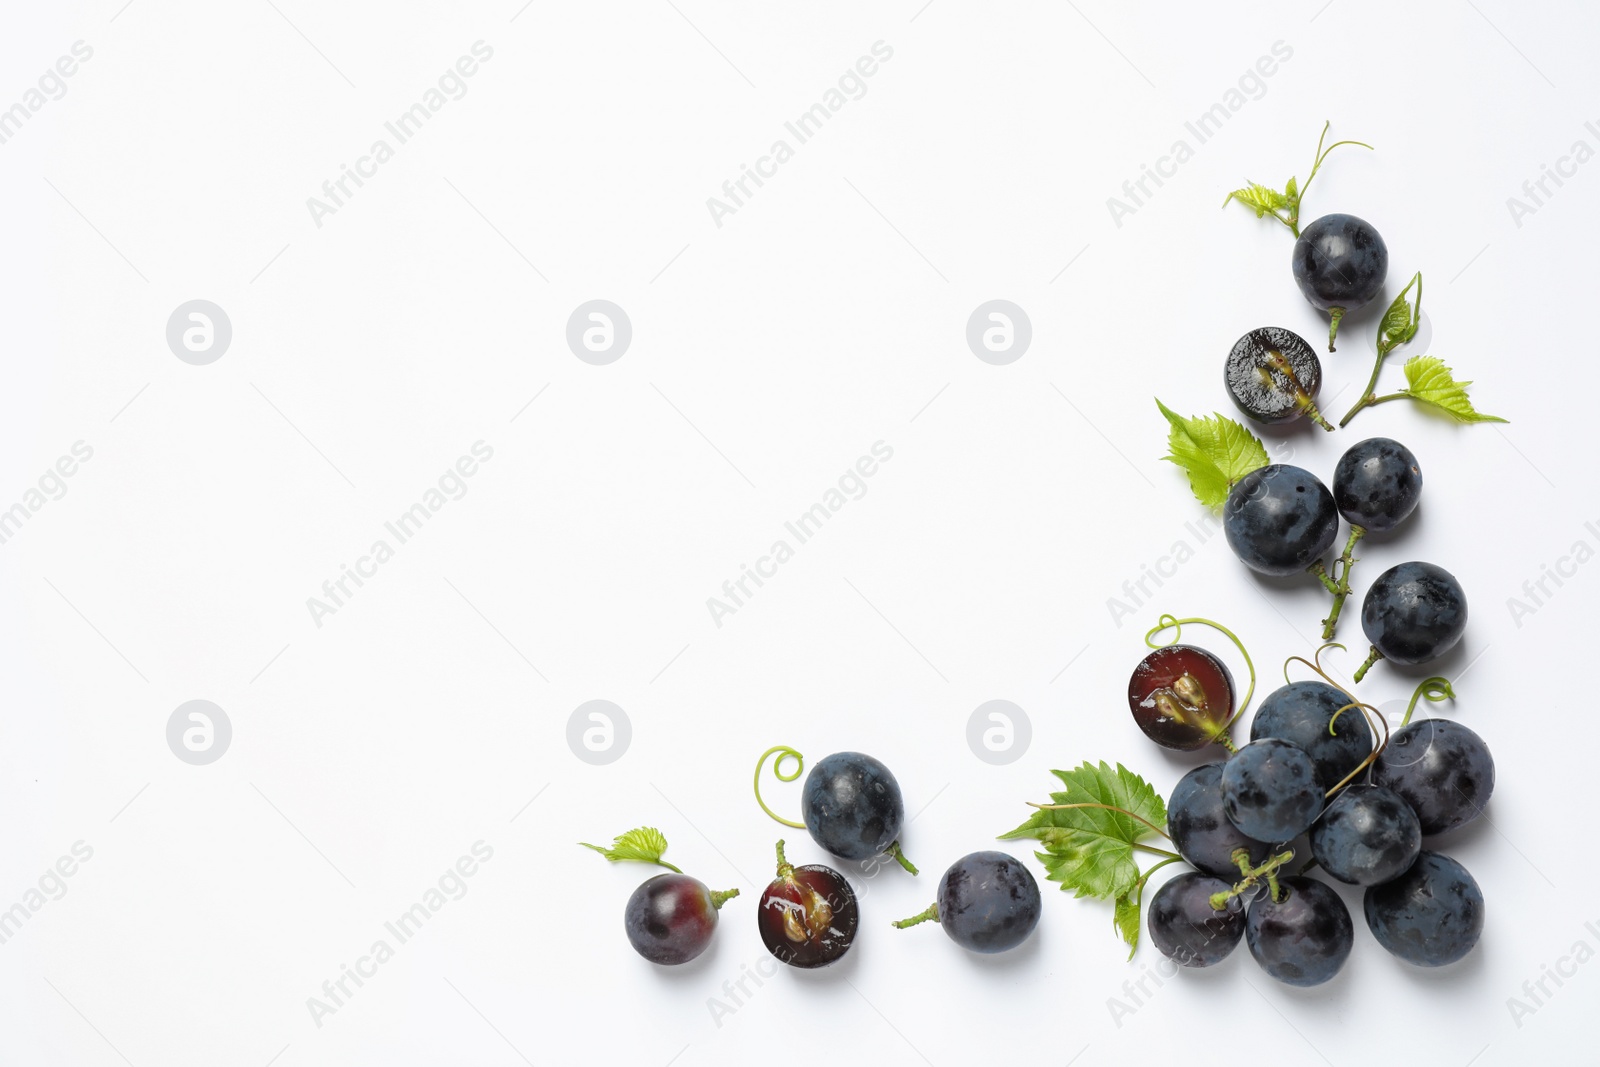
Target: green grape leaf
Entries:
(1291, 191)
(1432, 383)
(1400, 322)
(646, 844)
(1125, 918)
(1089, 849)
(1260, 199)
(1215, 452)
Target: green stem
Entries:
(1170, 855)
(1435, 689)
(784, 752)
(1385, 398)
(1342, 589)
(1322, 576)
(1225, 741)
(1333, 326)
(931, 914)
(1252, 876)
(785, 868)
(719, 897)
(1361, 671)
(900, 857)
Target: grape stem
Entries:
(1386, 344)
(932, 913)
(1361, 671)
(1252, 876)
(719, 897)
(1340, 587)
(785, 868)
(900, 857)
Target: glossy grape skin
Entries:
(1181, 696)
(1300, 713)
(1271, 790)
(1367, 836)
(808, 916)
(852, 806)
(1442, 769)
(1340, 261)
(1431, 915)
(1377, 484)
(1259, 389)
(1414, 612)
(1184, 925)
(1200, 829)
(988, 902)
(1279, 519)
(670, 918)
(1305, 938)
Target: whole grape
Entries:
(1431, 915)
(987, 902)
(1340, 263)
(1302, 712)
(1200, 829)
(1442, 769)
(1271, 790)
(670, 918)
(851, 804)
(1279, 519)
(1414, 612)
(1186, 928)
(1377, 484)
(1368, 835)
(1304, 938)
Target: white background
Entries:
(768, 354)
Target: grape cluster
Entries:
(1311, 767)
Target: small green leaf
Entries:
(1432, 383)
(646, 844)
(1259, 198)
(1291, 191)
(1089, 850)
(1125, 917)
(1400, 322)
(1214, 452)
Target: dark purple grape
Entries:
(1431, 915)
(808, 915)
(1414, 612)
(1273, 375)
(1181, 696)
(1184, 925)
(1279, 520)
(1302, 712)
(851, 804)
(1271, 791)
(1442, 769)
(1340, 263)
(987, 902)
(1304, 938)
(1367, 836)
(1200, 829)
(670, 918)
(1377, 484)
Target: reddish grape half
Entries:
(808, 915)
(1181, 696)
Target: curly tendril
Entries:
(784, 752)
(1176, 625)
(1372, 713)
(1434, 689)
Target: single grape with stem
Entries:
(670, 918)
(1300, 934)
(987, 902)
(1431, 915)
(1415, 612)
(1439, 767)
(1182, 696)
(850, 802)
(1279, 520)
(808, 915)
(1376, 487)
